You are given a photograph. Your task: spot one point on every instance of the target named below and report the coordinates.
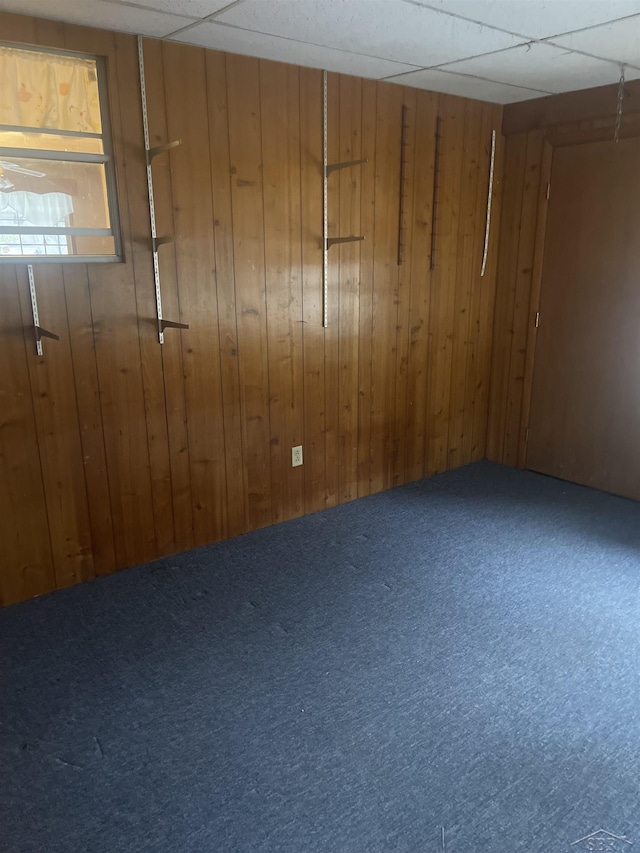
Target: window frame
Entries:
(107, 159)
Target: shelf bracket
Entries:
(160, 241)
(40, 332)
(170, 324)
(160, 149)
(334, 167)
(331, 241)
(45, 333)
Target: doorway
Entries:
(585, 409)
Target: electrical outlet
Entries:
(296, 456)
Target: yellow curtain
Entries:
(40, 89)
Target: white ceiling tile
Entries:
(98, 13)
(466, 87)
(619, 41)
(538, 18)
(540, 66)
(386, 38)
(389, 29)
(189, 8)
(210, 34)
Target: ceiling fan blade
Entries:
(12, 167)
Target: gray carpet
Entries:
(463, 652)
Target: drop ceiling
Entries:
(496, 50)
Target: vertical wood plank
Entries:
(313, 332)
(470, 222)
(332, 332)
(243, 99)
(367, 225)
(54, 404)
(421, 283)
(27, 564)
(85, 373)
(195, 254)
(443, 292)
(237, 504)
(350, 148)
(406, 191)
(385, 284)
(279, 107)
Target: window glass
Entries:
(57, 183)
(47, 89)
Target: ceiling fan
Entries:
(6, 166)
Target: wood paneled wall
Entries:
(532, 130)
(115, 451)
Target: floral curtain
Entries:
(48, 90)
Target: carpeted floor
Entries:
(463, 652)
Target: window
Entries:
(57, 181)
